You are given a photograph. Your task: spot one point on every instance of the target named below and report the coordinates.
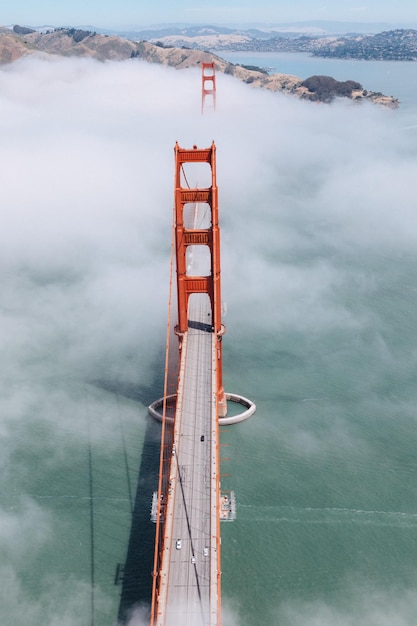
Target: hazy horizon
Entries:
(128, 12)
(303, 26)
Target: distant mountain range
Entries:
(308, 37)
(393, 45)
(22, 41)
(317, 28)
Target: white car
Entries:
(205, 552)
(178, 544)
(193, 560)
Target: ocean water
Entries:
(319, 281)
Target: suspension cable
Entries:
(164, 411)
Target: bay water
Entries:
(392, 78)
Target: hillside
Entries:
(389, 45)
(24, 42)
(12, 47)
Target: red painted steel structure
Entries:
(208, 79)
(187, 285)
(184, 237)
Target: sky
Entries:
(123, 13)
(87, 190)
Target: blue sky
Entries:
(116, 13)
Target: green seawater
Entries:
(72, 488)
(324, 473)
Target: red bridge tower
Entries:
(208, 84)
(210, 237)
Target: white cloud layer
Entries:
(370, 608)
(314, 200)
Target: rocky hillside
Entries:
(23, 42)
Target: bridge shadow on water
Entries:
(136, 577)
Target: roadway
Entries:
(188, 592)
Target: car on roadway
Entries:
(178, 544)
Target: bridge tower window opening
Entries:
(195, 175)
(198, 260)
(197, 215)
(200, 302)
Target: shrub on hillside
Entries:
(327, 88)
(22, 30)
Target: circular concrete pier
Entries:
(250, 408)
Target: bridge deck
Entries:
(188, 592)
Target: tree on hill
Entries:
(22, 30)
(327, 88)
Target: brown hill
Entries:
(12, 47)
(81, 43)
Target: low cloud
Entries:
(24, 529)
(50, 608)
(315, 201)
(375, 608)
